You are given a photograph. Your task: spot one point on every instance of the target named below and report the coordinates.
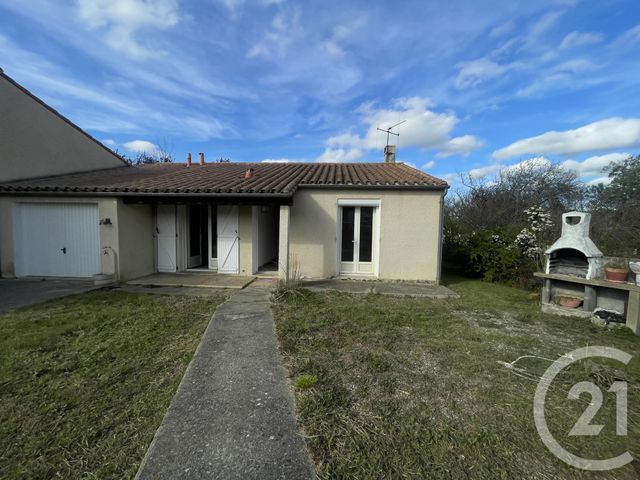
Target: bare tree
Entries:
(161, 154)
(500, 202)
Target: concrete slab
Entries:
(189, 279)
(400, 289)
(233, 414)
(184, 291)
(23, 292)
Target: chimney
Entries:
(390, 154)
(201, 158)
(188, 159)
(248, 173)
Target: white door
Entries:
(166, 238)
(57, 239)
(357, 240)
(228, 249)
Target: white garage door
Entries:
(56, 239)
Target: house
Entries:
(366, 220)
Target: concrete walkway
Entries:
(23, 292)
(193, 279)
(399, 289)
(233, 414)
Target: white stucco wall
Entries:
(35, 142)
(410, 232)
(136, 243)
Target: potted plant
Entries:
(616, 271)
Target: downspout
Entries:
(440, 238)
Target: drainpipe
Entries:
(440, 238)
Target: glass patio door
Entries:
(357, 240)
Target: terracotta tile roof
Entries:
(218, 179)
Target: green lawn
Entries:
(85, 381)
(414, 388)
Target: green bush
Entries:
(491, 255)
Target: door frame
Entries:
(375, 248)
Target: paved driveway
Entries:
(17, 293)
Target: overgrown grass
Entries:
(413, 388)
(86, 380)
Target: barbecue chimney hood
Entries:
(574, 253)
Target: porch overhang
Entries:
(169, 198)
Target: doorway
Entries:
(358, 248)
(198, 244)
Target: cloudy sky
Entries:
(482, 85)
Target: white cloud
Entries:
(594, 165)
(494, 168)
(123, 19)
(423, 128)
(544, 23)
(565, 74)
(502, 29)
(110, 142)
(580, 39)
(477, 71)
(277, 160)
(600, 180)
(612, 133)
(535, 162)
(481, 172)
(628, 39)
(275, 42)
(450, 177)
(140, 146)
(339, 155)
(459, 146)
(233, 6)
(429, 165)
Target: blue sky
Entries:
(482, 85)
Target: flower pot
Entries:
(568, 302)
(618, 275)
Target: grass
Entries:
(86, 380)
(414, 388)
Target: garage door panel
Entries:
(57, 240)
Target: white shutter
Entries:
(166, 238)
(228, 248)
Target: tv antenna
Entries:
(389, 132)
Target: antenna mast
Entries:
(390, 150)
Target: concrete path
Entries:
(232, 416)
(176, 291)
(193, 279)
(23, 292)
(410, 289)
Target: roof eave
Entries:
(374, 187)
(60, 193)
